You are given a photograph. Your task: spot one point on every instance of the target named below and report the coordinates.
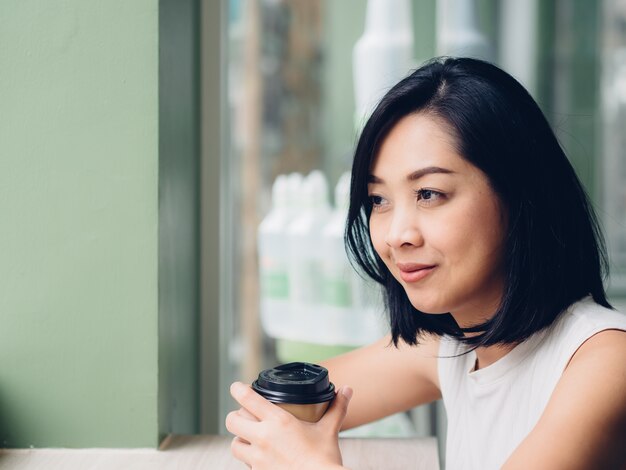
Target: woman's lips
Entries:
(413, 272)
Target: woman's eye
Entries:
(377, 202)
(428, 196)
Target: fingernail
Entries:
(346, 392)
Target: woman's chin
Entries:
(431, 308)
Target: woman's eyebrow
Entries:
(427, 171)
(417, 174)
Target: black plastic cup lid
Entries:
(297, 382)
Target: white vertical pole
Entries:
(458, 31)
(518, 40)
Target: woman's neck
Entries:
(472, 315)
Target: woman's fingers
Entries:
(241, 450)
(258, 406)
(338, 409)
(240, 426)
(270, 437)
(241, 413)
(246, 414)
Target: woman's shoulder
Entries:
(602, 333)
(588, 339)
(584, 319)
(589, 312)
(588, 403)
(581, 321)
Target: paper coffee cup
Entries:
(301, 388)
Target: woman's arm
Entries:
(386, 379)
(584, 423)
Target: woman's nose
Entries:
(403, 230)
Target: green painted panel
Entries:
(179, 181)
(78, 198)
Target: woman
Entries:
(466, 210)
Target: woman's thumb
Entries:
(338, 408)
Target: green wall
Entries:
(79, 223)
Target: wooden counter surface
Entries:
(213, 453)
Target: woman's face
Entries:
(436, 222)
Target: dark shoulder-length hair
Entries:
(554, 250)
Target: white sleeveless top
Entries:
(491, 410)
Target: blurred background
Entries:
(173, 190)
(302, 77)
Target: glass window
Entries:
(294, 111)
(293, 125)
(613, 135)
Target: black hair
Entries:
(554, 249)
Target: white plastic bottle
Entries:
(458, 32)
(305, 252)
(354, 300)
(371, 322)
(337, 288)
(273, 260)
(383, 54)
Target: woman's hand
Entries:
(268, 437)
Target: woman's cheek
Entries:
(377, 236)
